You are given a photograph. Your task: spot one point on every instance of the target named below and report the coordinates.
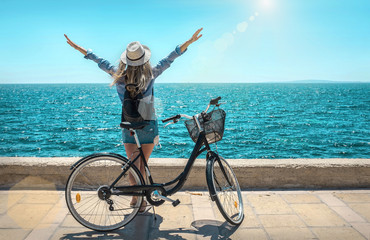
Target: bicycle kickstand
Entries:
(155, 215)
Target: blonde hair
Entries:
(138, 75)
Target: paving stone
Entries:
(269, 204)
(44, 197)
(28, 215)
(250, 219)
(57, 214)
(178, 217)
(318, 215)
(248, 233)
(174, 233)
(203, 214)
(271, 221)
(9, 200)
(348, 214)
(216, 213)
(3, 204)
(185, 197)
(7, 222)
(337, 233)
(228, 231)
(42, 231)
(362, 208)
(70, 222)
(80, 233)
(331, 200)
(15, 234)
(202, 208)
(286, 233)
(300, 198)
(292, 192)
(363, 228)
(136, 229)
(199, 229)
(354, 197)
(50, 222)
(213, 229)
(200, 201)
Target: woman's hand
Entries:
(75, 46)
(193, 38)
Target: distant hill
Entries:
(320, 81)
(313, 81)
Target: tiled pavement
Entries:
(336, 214)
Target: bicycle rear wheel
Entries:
(224, 189)
(89, 199)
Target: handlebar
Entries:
(178, 116)
(215, 101)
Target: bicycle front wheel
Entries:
(89, 199)
(224, 189)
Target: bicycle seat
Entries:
(134, 125)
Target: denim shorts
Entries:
(149, 134)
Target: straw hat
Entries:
(135, 54)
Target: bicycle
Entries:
(106, 205)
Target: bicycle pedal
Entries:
(175, 203)
(159, 196)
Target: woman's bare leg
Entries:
(147, 149)
(132, 152)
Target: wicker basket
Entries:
(214, 127)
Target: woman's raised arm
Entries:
(180, 49)
(75, 46)
(193, 38)
(103, 64)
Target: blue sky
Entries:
(243, 41)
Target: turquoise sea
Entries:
(264, 120)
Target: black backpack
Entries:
(130, 108)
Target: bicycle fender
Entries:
(211, 157)
(76, 164)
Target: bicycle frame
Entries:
(180, 179)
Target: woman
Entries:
(135, 77)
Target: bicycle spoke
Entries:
(226, 188)
(93, 188)
(92, 210)
(79, 206)
(120, 210)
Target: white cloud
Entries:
(241, 27)
(256, 14)
(251, 18)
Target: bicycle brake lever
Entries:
(173, 122)
(218, 104)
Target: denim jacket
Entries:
(148, 98)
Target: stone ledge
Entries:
(52, 173)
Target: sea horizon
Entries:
(232, 82)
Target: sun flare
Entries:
(266, 4)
